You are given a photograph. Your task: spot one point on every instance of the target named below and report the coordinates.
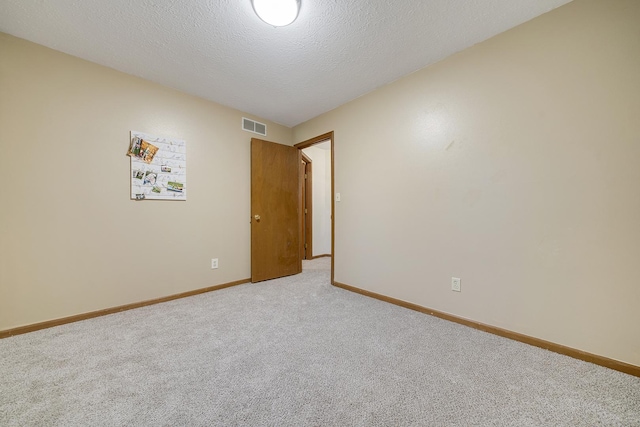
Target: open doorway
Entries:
(317, 197)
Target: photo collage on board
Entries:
(158, 167)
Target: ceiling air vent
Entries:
(253, 126)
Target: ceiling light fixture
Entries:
(278, 13)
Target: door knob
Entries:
(257, 217)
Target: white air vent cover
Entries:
(253, 126)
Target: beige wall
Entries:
(513, 165)
(71, 240)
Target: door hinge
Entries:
(305, 211)
(305, 246)
(305, 176)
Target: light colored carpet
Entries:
(323, 263)
(297, 352)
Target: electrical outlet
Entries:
(337, 197)
(214, 263)
(455, 284)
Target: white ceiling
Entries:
(220, 50)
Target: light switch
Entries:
(337, 197)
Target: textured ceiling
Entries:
(220, 50)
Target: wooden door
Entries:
(275, 200)
(306, 207)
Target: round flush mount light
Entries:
(277, 12)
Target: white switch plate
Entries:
(214, 263)
(337, 197)
(455, 284)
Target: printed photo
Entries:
(147, 151)
(134, 148)
(156, 189)
(165, 168)
(150, 178)
(175, 186)
(138, 174)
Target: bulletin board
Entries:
(158, 167)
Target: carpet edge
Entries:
(606, 362)
(6, 333)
